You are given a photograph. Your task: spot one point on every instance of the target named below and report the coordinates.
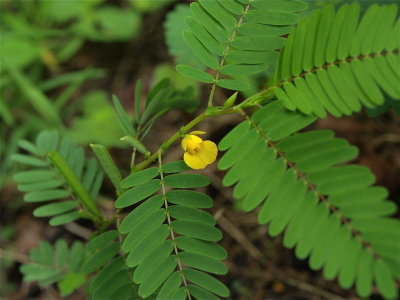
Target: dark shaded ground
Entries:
(259, 266)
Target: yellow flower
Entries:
(198, 153)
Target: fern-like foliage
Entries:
(336, 63)
(237, 37)
(114, 280)
(330, 212)
(58, 264)
(169, 240)
(58, 174)
(174, 26)
(71, 267)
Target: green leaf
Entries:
(180, 212)
(161, 85)
(231, 100)
(108, 165)
(157, 277)
(170, 287)
(69, 175)
(384, 280)
(186, 180)
(290, 202)
(153, 240)
(70, 283)
(54, 208)
(204, 36)
(135, 143)
(139, 178)
(174, 26)
(43, 254)
(272, 17)
(212, 26)
(255, 29)
(28, 160)
(196, 230)
(242, 69)
(335, 56)
(19, 51)
(221, 15)
(157, 104)
(231, 84)
(194, 73)
(234, 135)
(278, 5)
(138, 193)
(62, 253)
(152, 261)
(100, 258)
(142, 228)
(200, 293)
(175, 167)
(33, 176)
(200, 51)
(207, 282)
(64, 219)
(123, 118)
(114, 24)
(251, 57)
(46, 195)
(105, 275)
(203, 263)
(232, 6)
(201, 247)
(76, 256)
(47, 140)
(140, 212)
(258, 43)
(101, 240)
(28, 146)
(37, 99)
(89, 176)
(39, 273)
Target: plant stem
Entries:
(211, 97)
(180, 133)
(58, 161)
(170, 227)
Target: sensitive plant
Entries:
(161, 243)
(38, 41)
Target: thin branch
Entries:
(226, 51)
(180, 133)
(170, 227)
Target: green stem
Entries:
(227, 49)
(58, 161)
(172, 234)
(180, 133)
(209, 112)
(211, 97)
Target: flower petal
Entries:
(208, 151)
(184, 144)
(198, 132)
(190, 139)
(194, 161)
(194, 138)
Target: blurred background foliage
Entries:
(60, 63)
(47, 79)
